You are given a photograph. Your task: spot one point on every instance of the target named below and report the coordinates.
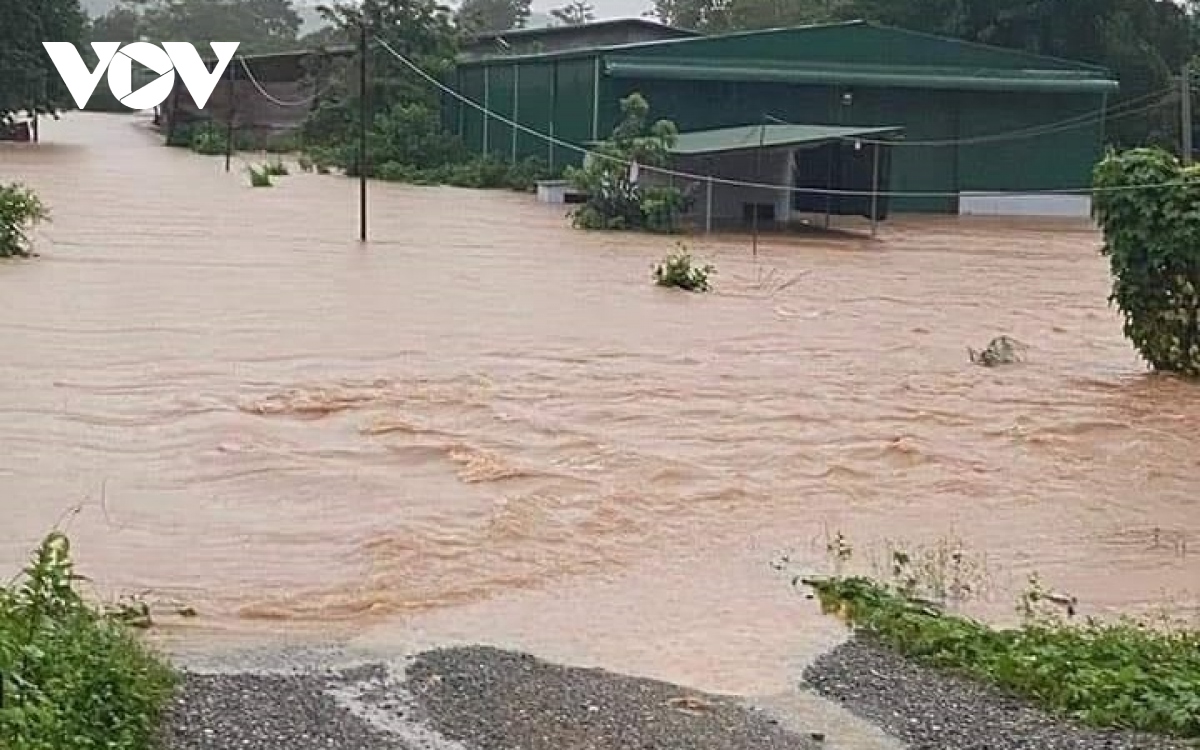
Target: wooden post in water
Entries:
(229, 119)
(362, 127)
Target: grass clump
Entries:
(677, 271)
(1117, 674)
(74, 676)
(20, 211)
(276, 168)
(259, 177)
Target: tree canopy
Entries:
(259, 25)
(575, 13)
(28, 79)
(493, 15)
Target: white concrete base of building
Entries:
(1033, 204)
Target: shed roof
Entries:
(897, 76)
(748, 137)
(858, 52)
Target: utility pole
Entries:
(1185, 92)
(362, 128)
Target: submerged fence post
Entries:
(874, 188)
(708, 205)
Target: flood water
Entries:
(485, 425)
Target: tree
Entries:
(493, 15)
(29, 81)
(259, 25)
(575, 13)
(423, 31)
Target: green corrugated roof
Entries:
(926, 77)
(748, 137)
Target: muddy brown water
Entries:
(487, 426)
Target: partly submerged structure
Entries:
(975, 120)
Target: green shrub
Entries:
(677, 271)
(276, 168)
(1121, 674)
(73, 676)
(1152, 240)
(209, 139)
(20, 211)
(615, 201)
(260, 177)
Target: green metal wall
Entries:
(557, 95)
(554, 97)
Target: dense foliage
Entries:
(28, 79)
(1152, 240)
(575, 13)
(493, 15)
(259, 25)
(1144, 42)
(1112, 675)
(73, 676)
(616, 198)
(677, 271)
(20, 210)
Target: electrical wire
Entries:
(266, 95)
(699, 178)
(1068, 124)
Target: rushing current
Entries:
(485, 425)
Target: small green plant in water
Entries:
(260, 177)
(20, 211)
(677, 271)
(276, 168)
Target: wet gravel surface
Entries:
(471, 698)
(931, 710)
(271, 712)
(498, 700)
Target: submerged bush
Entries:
(616, 199)
(20, 211)
(73, 676)
(677, 271)
(1146, 205)
(276, 168)
(210, 140)
(259, 177)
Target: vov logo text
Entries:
(166, 60)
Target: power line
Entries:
(278, 102)
(1070, 123)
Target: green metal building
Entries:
(974, 117)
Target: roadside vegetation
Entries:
(1150, 239)
(73, 675)
(20, 211)
(1126, 674)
